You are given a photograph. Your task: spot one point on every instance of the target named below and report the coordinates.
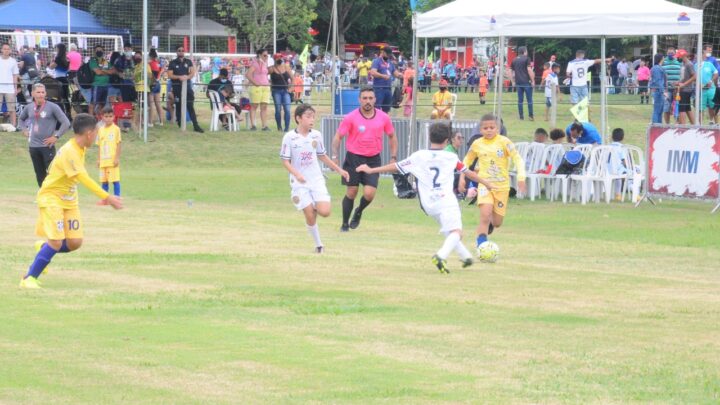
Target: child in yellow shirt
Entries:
(109, 148)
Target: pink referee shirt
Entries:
(365, 135)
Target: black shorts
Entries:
(685, 105)
(716, 99)
(352, 161)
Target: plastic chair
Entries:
(549, 159)
(610, 172)
(591, 175)
(585, 149)
(512, 170)
(534, 156)
(636, 175)
(218, 111)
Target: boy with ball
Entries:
(491, 155)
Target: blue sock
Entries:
(42, 259)
(481, 239)
(116, 188)
(64, 248)
(105, 186)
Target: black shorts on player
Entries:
(352, 161)
(685, 105)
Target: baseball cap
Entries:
(680, 53)
(278, 56)
(443, 82)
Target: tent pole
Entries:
(68, 18)
(425, 60)
(274, 27)
(192, 28)
(654, 45)
(333, 46)
(699, 57)
(500, 77)
(144, 73)
(413, 112)
(603, 93)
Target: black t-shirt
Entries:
(613, 68)
(28, 62)
(217, 84)
(520, 67)
(180, 67)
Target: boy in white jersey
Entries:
(434, 170)
(301, 150)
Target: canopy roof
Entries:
(204, 27)
(50, 16)
(558, 18)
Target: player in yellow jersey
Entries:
(109, 147)
(59, 220)
(491, 155)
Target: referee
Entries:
(364, 129)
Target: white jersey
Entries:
(550, 82)
(435, 174)
(302, 152)
(578, 69)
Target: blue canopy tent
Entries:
(48, 15)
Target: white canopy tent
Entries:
(560, 18)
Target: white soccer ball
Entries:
(488, 252)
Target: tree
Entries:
(254, 18)
(128, 13)
(350, 12)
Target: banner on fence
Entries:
(684, 161)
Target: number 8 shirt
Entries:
(578, 68)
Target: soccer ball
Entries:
(488, 252)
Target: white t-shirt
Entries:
(8, 68)
(578, 69)
(302, 152)
(308, 81)
(435, 174)
(550, 82)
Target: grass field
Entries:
(205, 290)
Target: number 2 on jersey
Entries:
(437, 174)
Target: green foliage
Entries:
(128, 13)
(254, 18)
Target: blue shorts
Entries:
(667, 104)
(87, 94)
(113, 92)
(100, 94)
(155, 88)
(383, 99)
(548, 101)
(577, 93)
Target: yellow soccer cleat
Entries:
(38, 245)
(30, 283)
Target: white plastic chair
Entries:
(521, 147)
(592, 175)
(550, 156)
(585, 149)
(218, 111)
(533, 161)
(636, 177)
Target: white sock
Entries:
(314, 231)
(450, 241)
(462, 251)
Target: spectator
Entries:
(257, 76)
(100, 83)
(218, 83)
(618, 164)
(281, 81)
(577, 71)
(541, 136)
(442, 102)
(407, 102)
(551, 89)
(61, 65)
(623, 74)
(46, 124)
(76, 60)
(307, 82)
(557, 136)
(449, 72)
(182, 70)
(28, 66)
(658, 88)
(672, 66)
(114, 91)
(408, 74)
(142, 87)
(523, 76)
(363, 67)
(383, 71)
(9, 79)
(583, 133)
(154, 95)
(614, 74)
(298, 82)
(686, 87)
(708, 78)
(483, 84)
(643, 77)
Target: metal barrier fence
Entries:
(330, 124)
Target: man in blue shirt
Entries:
(708, 80)
(450, 72)
(716, 99)
(383, 71)
(658, 88)
(584, 133)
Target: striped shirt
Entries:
(672, 70)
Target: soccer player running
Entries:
(364, 128)
(59, 219)
(434, 170)
(491, 155)
(301, 149)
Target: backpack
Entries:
(85, 76)
(403, 188)
(572, 162)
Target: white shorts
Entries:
(450, 219)
(306, 194)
